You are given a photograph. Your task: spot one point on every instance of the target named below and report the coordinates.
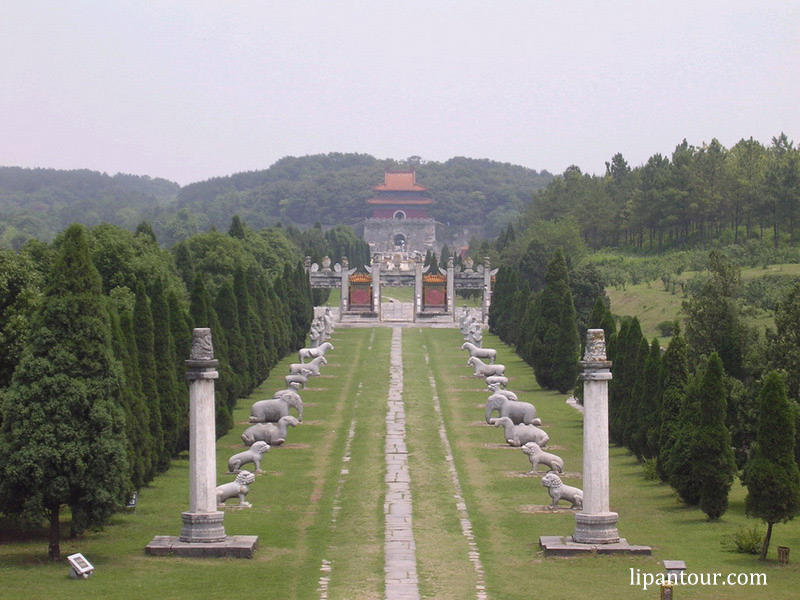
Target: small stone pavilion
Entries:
(400, 221)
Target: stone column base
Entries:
(598, 528)
(202, 527)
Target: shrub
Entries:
(745, 540)
(666, 328)
(650, 469)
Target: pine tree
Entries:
(674, 378)
(771, 475)
(714, 466)
(236, 228)
(62, 439)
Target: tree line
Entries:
(93, 398)
(699, 194)
(721, 401)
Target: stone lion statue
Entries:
(236, 488)
(559, 491)
(538, 456)
(253, 455)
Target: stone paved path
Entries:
(400, 568)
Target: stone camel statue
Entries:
(253, 455)
(538, 456)
(517, 435)
(559, 491)
(273, 434)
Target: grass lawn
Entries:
(321, 502)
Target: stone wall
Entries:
(420, 234)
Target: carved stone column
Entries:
(376, 289)
(417, 289)
(595, 524)
(345, 295)
(451, 300)
(202, 522)
(487, 288)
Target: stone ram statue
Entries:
(320, 350)
(254, 455)
(270, 411)
(301, 379)
(311, 368)
(559, 491)
(497, 380)
(236, 488)
(517, 435)
(273, 434)
(484, 370)
(477, 352)
(538, 456)
(518, 412)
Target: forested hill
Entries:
(41, 202)
(333, 188)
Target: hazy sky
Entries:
(193, 89)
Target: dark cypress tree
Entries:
(227, 309)
(771, 475)
(714, 465)
(145, 352)
(556, 345)
(680, 468)
(635, 429)
(62, 441)
(247, 326)
(166, 377)
(146, 230)
(617, 390)
(673, 381)
(185, 264)
(651, 403)
(137, 419)
(182, 336)
(597, 315)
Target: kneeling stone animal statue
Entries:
(254, 455)
(270, 433)
(538, 456)
(236, 488)
(518, 435)
(559, 491)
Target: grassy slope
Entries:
(652, 304)
(293, 502)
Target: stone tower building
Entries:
(400, 221)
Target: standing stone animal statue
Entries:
(311, 367)
(497, 380)
(237, 488)
(518, 435)
(481, 353)
(538, 456)
(270, 411)
(559, 491)
(494, 388)
(272, 433)
(253, 455)
(518, 412)
(320, 350)
(484, 370)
